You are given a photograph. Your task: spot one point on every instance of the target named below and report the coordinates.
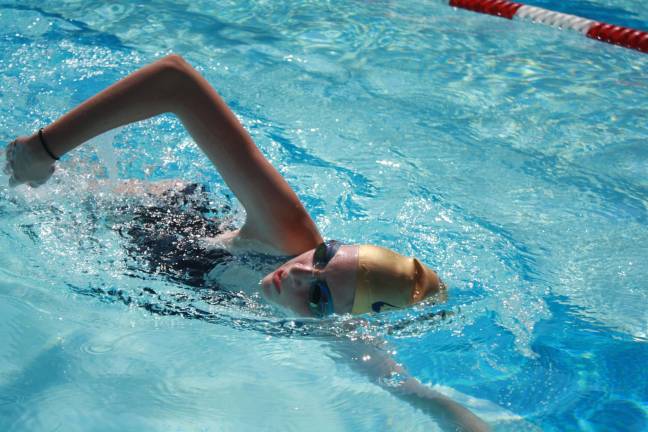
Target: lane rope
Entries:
(612, 34)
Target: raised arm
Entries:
(275, 215)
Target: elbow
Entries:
(175, 62)
(176, 71)
(177, 81)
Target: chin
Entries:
(265, 287)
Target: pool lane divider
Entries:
(612, 34)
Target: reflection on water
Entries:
(508, 156)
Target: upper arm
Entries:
(274, 213)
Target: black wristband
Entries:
(42, 140)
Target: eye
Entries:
(320, 302)
(319, 257)
(315, 296)
(317, 300)
(324, 252)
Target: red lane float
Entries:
(612, 34)
(617, 35)
(501, 8)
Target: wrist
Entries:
(38, 152)
(46, 147)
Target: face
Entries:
(289, 285)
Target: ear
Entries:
(427, 283)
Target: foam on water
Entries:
(510, 157)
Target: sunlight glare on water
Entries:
(509, 156)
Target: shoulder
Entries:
(237, 243)
(295, 234)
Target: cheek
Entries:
(296, 300)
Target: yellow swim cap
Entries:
(388, 280)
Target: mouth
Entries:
(276, 280)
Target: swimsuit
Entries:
(166, 236)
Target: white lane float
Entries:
(613, 34)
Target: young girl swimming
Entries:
(323, 278)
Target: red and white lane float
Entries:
(617, 35)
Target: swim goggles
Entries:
(320, 301)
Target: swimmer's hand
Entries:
(27, 162)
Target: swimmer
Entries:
(323, 278)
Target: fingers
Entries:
(8, 168)
(14, 179)
(37, 183)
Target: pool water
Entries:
(511, 157)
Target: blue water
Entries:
(509, 156)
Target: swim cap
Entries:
(388, 280)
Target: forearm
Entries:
(168, 85)
(172, 85)
(142, 94)
(373, 359)
(450, 415)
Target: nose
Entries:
(302, 274)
